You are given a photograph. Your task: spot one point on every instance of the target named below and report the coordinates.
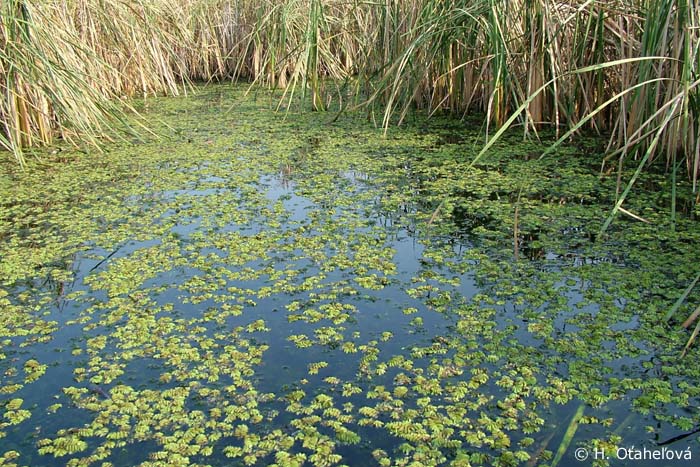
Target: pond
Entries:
(295, 288)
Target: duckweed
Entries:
(260, 288)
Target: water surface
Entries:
(259, 288)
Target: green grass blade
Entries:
(692, 338)
(681, 299)
(568, 436)
(637, 173)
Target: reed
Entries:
(45, 91)
(65, 65)
(628, 69)
(625, 68)
(495, 56)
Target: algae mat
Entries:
(286, 288)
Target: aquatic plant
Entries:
(627, 69)
(693, 316)
(50, 83)
(65, 67)
(278, 296)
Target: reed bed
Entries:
(65, 65)
(625, 68)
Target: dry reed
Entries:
(628, 68)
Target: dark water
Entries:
(216, 278)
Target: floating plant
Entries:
(256, 288)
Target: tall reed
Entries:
(495, 56)
(627, 68)
(44, 89)
(64, 65)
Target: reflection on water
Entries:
(281, 304)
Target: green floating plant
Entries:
(255, 291)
